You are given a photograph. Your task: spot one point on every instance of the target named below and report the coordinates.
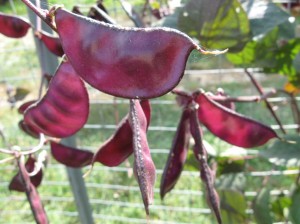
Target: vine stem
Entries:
(43, 14)
(31, 151)
(243, 99)
(294, 107)
(268, 104)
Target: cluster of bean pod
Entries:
(132, 63)
(224, 123)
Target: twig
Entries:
(268, 104)
(7, 159)
(243, 99)
(295, 111)
(6, 151)
(131, 13)
(43, 14)
(294, 107)
(104, 14)
(18, 152)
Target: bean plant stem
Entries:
(40, 13)
(104, 14)
(243, 99)
(268, 104)
(295, 111)
(294, 107)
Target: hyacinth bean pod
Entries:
(24, 127)
(65, 107)
(119, 147)
(177, 155)
(24, 106)
(212, 196)
(28, 129)
(17, 184)
(230, 126)
(197, 132)
(144, 168)
(205, 172)
(124, 62)
(32, 196)
(13, 26)
(52, 43)
(70, 156)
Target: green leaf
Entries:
(258, 53)
(261, 207)
(264, 16)
(294, 208)
(21, 93)
(227, 165)
(284, 153)
(284, 63)
(233, 207)
(232, 181)
(280, 205)
(218, 24)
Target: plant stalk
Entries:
(43, 14)
(268, 104)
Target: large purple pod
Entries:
(70, 156)
(65, 107)
(119, 146)
(13, 26)
(177, 155)
(124, 62)
(25, 105)
(230, 126)
(52, 43)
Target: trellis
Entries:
(83, 211)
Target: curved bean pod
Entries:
(230, 126)
(24, 106)
(52, 43)
(206, 174)
(13, 26)
(28, 129)
(70, 156)
(119, 147)
(65, 107)
(177, 155)
(17, 184)
(144, 168)
(124, 62)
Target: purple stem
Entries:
(294, 107)
(268, 104)
(43, 14)
(243, 99)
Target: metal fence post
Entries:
(49, 64)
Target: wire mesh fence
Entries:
(113, 192)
